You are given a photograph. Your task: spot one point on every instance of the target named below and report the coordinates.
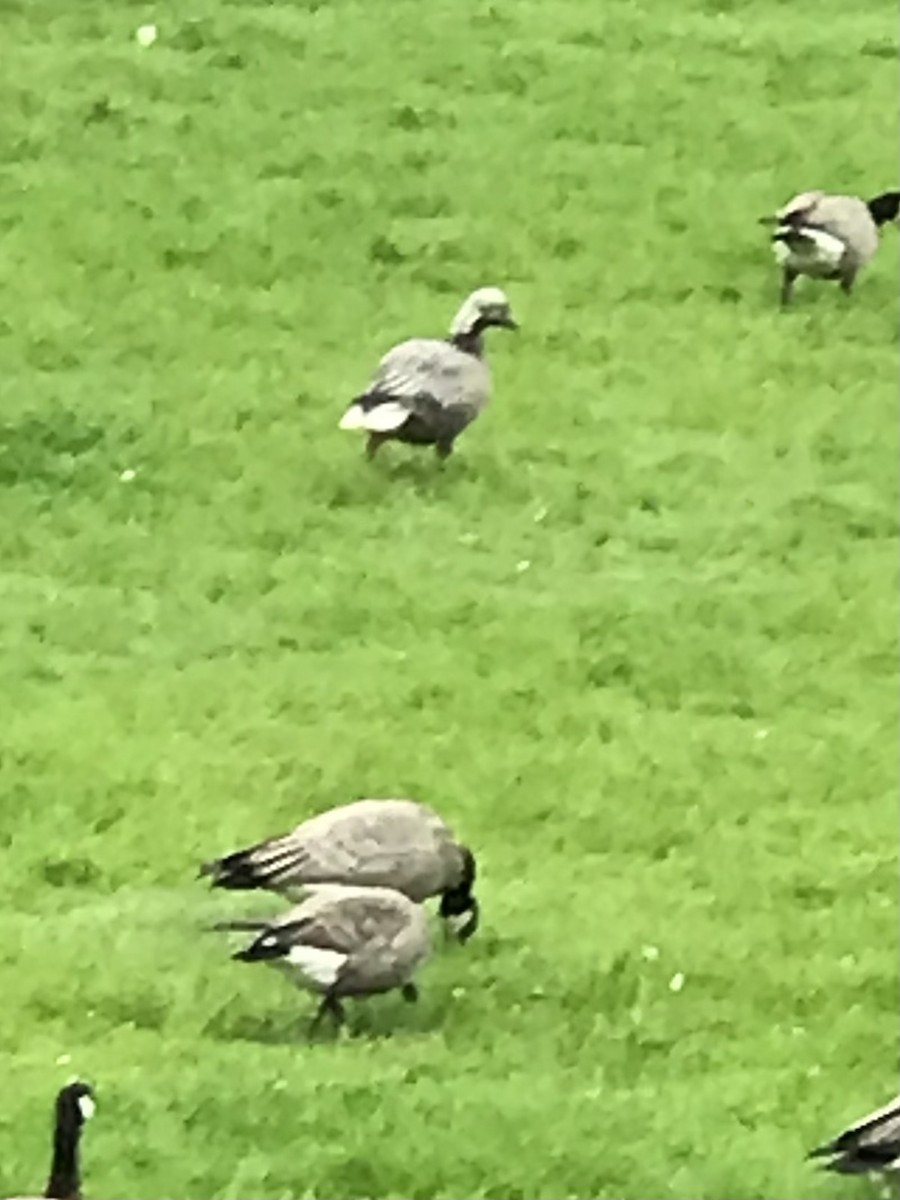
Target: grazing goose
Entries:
(828, 237)
(370, 843)
(74, 1106)
(426, 391)
(342, 941)
(871, 1145)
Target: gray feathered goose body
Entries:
(399, 844)
(427, 390)
(828, 237)
(871, 1145)
(343, 942)
(74, 1106)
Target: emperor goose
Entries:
(427, 390)
(370, 843)
(343, 941)
(828, 237)
(74, 1106)
(870, 1145)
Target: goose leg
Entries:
(330, 1006)
(788, 279)
(373, 442)
(848, 278)
(410, 993)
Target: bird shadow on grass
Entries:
(386, 481)
(365, 1022)
(427, 476)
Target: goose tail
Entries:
(259, 866)
(384, 416)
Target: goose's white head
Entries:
(798, 206)
(795, 211)
(486, 307)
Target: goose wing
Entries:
(872, 1144)
(848, 219)
(347, 919)
(433, 369)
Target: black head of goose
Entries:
(828, 236)
(425, 391)
(75, 1104)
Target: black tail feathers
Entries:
(236, 872)
(267, 948)
(885, 207)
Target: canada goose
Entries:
(427, 390)
(342, 941)
(828, 237)
(870, 1145)
(370, 843)
(74, 1105)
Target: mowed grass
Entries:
(637, 641)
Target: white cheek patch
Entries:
(457, 923)
(87, 1107)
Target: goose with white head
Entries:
(426, 391)
(825, 236)
(75, 1104)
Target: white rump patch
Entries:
(384, 418)
(818, 249)
(319, 966)
(353, 418)
(87, 1107)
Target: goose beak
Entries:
(767, 220)
(510, 322)
(463, 925)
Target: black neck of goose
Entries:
(472, 341)
(65, 1179)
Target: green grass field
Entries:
(637, 640)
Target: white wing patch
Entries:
(319, 966)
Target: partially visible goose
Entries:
(828, 237)
(870, 1145)
(341, 942)
(427, 390)
(74, 1105)
(399, 844)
